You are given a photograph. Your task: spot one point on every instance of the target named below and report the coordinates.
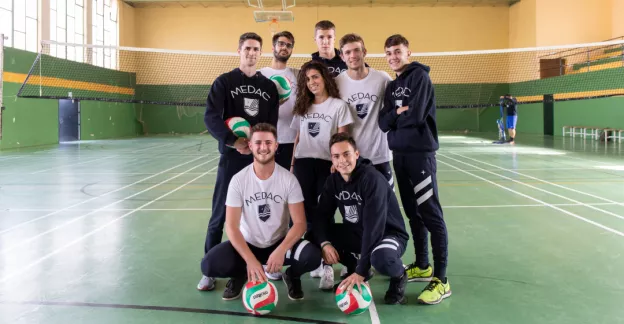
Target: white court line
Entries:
(91, 199)
(152, 147)
(537, 169)
(540, 189)
(209, 209)
(212, 171)
(105, 173)
(541, 202)
(26, 241)
(547, 182)
(114, 209)
(372, 310)
(66, 165)
(8, 158)
(47, 256)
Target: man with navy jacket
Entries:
(409, 119)
(243, 92)
(372, 225)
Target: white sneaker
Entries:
(206, 283)
(327, 278)
(318, 272)
(273, 276)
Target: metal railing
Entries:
(562, 55)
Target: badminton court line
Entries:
(539, 189)
(152, 147)
(529, 169)
(26, 241)
(541, 202)
(47, 256)
(544, 181)
(91, 199)
(8, 210)
(79, 163)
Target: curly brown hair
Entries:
(305, 98)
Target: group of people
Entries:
(327, 147)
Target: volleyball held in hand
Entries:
(283, 86)
(356, 302)
(239, 126)
(259, 298)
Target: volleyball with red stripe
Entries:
(239, 126)
(259, 298)
(356, 302)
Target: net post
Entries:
(1, 79)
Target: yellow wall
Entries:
(584, 21)
(127, 27)
(522, 25)
(427, 28)
(617, 18)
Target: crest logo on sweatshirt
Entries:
(264, 212)
(351, 214)
(362, 109)
(252, 106)
(314, 128)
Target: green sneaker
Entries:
(414, 273)
(435, 292)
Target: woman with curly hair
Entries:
(319, 113)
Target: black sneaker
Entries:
(293, 285)
(233, 288)
(396, 290)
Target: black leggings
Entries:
(223, 261)
(385, 257)
(311, 174)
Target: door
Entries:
(69, 120)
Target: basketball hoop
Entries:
(273, 26)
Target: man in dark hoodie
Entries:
(372, 226)
(325, 38)
(409, 118)
(243, 92)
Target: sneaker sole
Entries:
(208, 288)
(420, 279)
(435, 302)
(232, 298)
(403, 301)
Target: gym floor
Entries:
(112, 232)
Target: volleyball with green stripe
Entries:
(284, 88)
(356, 302)
(239, 126)
(259, 298)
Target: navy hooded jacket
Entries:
(234, 94)
(414, 130)
(368, 207)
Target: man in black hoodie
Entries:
(409, 118)
(325, 38)
(372, 226)
(243, 92)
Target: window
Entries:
(105, 26)
(18, 22)
(67, 23)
